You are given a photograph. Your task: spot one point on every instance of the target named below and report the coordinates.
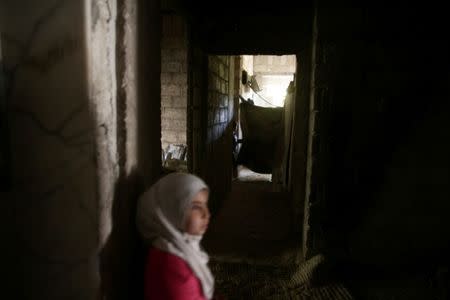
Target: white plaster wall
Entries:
(101, 40)
(273, 73)
(128, 80)
(247, 65)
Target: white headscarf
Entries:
(161, 214)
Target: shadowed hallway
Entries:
(88, 88)
(254, 224)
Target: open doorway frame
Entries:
(298, 149)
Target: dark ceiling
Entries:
(238, 27)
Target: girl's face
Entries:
(197, 216)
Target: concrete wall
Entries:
(174, 75)
(138, 53)
(52, 210)
(378, 187)
(85, 139)
(274, 64)
(102, 85)
(273, 74)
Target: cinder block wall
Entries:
(211, 118)
(218, 69)
(219, 127)
(174, 53)
(273, 64)
(197, 116)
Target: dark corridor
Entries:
(86, 94)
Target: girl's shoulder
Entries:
(170, 277)
(168, 264)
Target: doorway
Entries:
(248, 130)
(263, 132)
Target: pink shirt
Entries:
(168, 277)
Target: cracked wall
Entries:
(84, 126)
(52, 210)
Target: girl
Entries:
(172, 217)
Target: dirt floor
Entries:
(254, 224)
